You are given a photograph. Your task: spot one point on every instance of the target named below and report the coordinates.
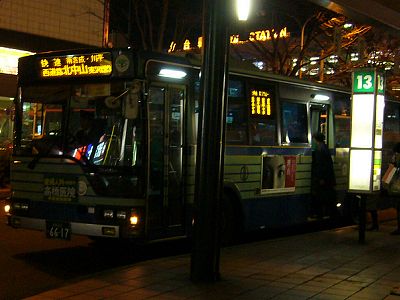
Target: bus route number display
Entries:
(260, 103)
(79, 65)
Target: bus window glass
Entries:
(196, 110)
(294, 123)
(39, 120)
(235, 89)
(93, 129)
(262, 132)
(6, 120)
(236, 117)
(156, 118)
(341, 112)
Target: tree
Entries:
(156, 23)
(329, 50)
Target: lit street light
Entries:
(242, 9)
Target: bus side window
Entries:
(294, 123)
(341, 111)
(236, 117)
(236, 123)
(262, 133)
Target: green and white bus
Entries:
(132, 176)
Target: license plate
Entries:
(58, 230)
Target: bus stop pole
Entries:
(210, 149)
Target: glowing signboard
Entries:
(368, 102)
(254, 36)
(79, 65)
(9, 59)
(260, 103)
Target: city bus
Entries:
(106, 139)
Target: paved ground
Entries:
(322, 265)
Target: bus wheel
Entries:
(229, 221)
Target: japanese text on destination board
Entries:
(94, 64)
(59, 189)
(260, 103)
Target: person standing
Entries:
(322, 178)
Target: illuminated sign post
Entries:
(368, 102)
(80, 65)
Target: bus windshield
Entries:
(94, 123)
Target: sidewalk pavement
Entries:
(328, 264)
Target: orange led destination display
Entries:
(80, 65)
(260, 103)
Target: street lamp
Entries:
(211, 136)
(302, 43)
(242, 9)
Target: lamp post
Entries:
(211, 143)
(302, 43)
(210, 150)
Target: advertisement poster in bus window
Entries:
(278, 174)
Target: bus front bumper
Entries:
(95, 230)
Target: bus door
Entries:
(166, 205)
(319, 119)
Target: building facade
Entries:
(44, 25)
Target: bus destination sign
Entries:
(79, 65)
(260, 103)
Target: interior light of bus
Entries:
(121, 215)
(171, 73)
(108, 214)
(320, 97)
(7, 208)
(338, 204)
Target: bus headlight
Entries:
(108, 214)
(121, 215)
(134, 218)
(7, 208)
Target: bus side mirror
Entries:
(131, 102)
